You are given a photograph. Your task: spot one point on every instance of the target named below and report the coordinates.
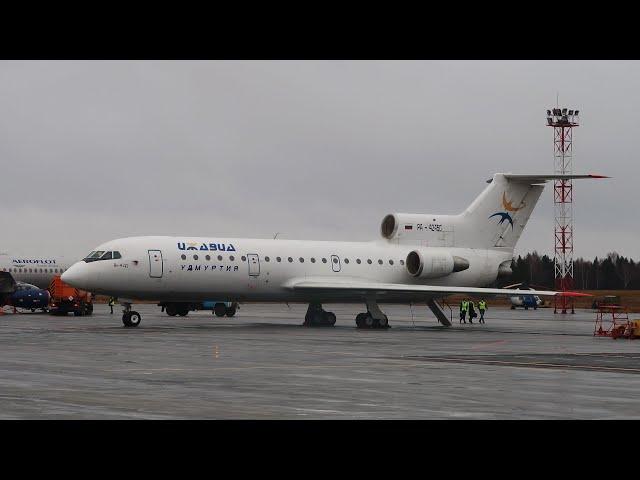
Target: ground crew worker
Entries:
(464, 305)
(112, 302)
(482, 306)
(472, 311)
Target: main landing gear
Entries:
(129, 317)
(174, 309)
(373, 318)
(317, 317)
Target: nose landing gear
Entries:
(129, 317)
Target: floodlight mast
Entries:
(563, 123)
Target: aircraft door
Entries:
(335, 263)
(254, 264)
(155, 264)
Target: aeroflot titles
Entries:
(51, 262)
(211, 247)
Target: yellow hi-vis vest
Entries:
(465, 305)
(482, 305)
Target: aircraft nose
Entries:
(76, 275)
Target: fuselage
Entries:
(242, 269)
(38, 271)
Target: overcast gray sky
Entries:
(96, 150)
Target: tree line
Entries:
(613, 272)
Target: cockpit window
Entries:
(101, 255)
(93, 256)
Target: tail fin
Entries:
(497, 217)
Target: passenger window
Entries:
(266, 259)
(208, 257)
(278, 259)
(335, 260)
(390, 262)
(358, 261)
(195, 257)
(183, 256)
(369, 261)
(324, 260)
(290, 259)
(380, 262)
(301, 260)
(346, 260)
(313, 260)
(401, 262)
(220, 257)
(232, 258)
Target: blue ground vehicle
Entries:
(219, 308)
(28, 297)
(525, 301)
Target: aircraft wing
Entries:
(355, 286)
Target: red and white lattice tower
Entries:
(563, 122)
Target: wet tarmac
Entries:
(262, 364)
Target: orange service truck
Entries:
(65, 299)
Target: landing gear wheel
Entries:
(360, 320)
(368, 320)
(317, 318)
(219, 309)
(171, 309)
(230, 312)
(330, 319)
(131, 319)
(384, 322)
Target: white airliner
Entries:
(38, 271)
(420, 258)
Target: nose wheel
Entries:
(129, 317)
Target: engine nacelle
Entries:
(397, 225)
(429, 264)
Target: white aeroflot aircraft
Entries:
(38, 271)
(420, 258)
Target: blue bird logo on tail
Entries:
(508, 205)
(503, 216)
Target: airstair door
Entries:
(155, 264)
(254, 264)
